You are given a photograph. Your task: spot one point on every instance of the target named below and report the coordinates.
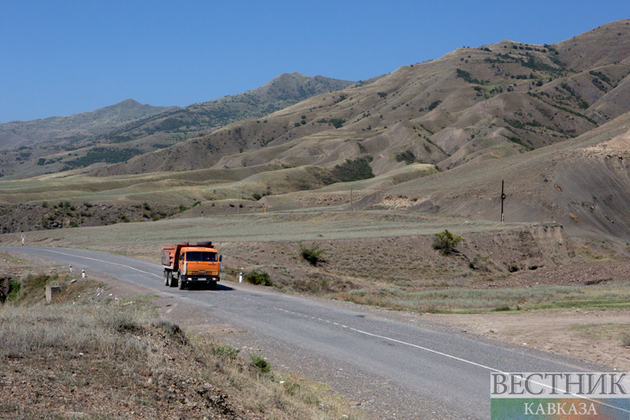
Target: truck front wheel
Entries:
(180, 282)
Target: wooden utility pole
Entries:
(351, 204)
(503, 196)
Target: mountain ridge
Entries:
(59, 128)
(471, 104)
(89, 143)
(437, 136)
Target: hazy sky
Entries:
(64, 57)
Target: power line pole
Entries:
(351, 204)
(503, 196)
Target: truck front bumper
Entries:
(199, 279)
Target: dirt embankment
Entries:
(348, 264)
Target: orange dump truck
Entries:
(187, 264)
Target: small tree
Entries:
(445, 242)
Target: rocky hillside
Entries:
(120, 132)
(74, 128)
(471, 105)
(279, 93)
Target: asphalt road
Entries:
(406, 370)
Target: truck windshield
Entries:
(201, 256)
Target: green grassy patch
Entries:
(465, 300)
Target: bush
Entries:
(434, 105)
(313, 256)
(353, 170)
(14, 289)
(406, 156)
(337, 122)
(260, 362)
(225, 352)
(445, 242)
(259, 278)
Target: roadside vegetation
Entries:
(312, 255)
(90, 356)
(465, 300)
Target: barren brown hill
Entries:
(582, 183)
(470, 105)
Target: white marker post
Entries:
(23, 239)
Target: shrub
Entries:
(260, 362)
(353, 170)
(172, 331)
(14, 289)
(434, 105)
(313, 256)
(225, 352)
(337, 122)
(406, 156)
(258, 277)
(445, 242)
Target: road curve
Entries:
(411, 370)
